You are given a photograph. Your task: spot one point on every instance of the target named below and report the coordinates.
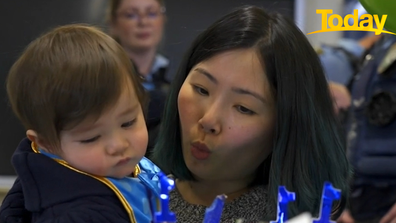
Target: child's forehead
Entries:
(126, 103)
(86, 125)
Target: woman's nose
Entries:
(210, 123)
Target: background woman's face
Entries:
(227, 116)
(139, 24)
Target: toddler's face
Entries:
(111, 145)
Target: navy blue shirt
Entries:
(46, 191)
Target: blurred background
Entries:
(24, 20)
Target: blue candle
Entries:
(213, 213)
(166, 186)
(284, 197)
(329, 195)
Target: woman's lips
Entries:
(143, 35)
(200, 151)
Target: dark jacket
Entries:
(371, 137)
(156, 106)
(46, 191)
(372, 134)
(157, 87)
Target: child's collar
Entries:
(36, 149)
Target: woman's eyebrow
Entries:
(248, 92)
(234, 89)
(207, 74)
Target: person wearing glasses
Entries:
(138, 26)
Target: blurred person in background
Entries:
(342, 61)
(138, 25)
(372, 125)
(371, 137)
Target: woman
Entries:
(250, 110)
(138, 26)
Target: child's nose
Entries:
(117, 145)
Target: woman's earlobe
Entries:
(165, 19)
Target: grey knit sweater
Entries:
(252, 206)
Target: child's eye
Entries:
(244, 110)
(200, 90)
(128, 124)
(90, 140)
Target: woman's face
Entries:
(227, 116)
(139, 24)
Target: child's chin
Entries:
(125, 173)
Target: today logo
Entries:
(365, 24)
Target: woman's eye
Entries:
(131, 15)
(128, 124)
(153, 14)
(244, 110)
(90, 140)
(201, 91)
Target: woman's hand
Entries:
(345, 217)
(390, 217)
(341, 96)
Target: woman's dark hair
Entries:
(308, 148)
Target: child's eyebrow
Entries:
(84, 128)
(88, 127)
(129, 110)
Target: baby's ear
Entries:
(39, 141)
